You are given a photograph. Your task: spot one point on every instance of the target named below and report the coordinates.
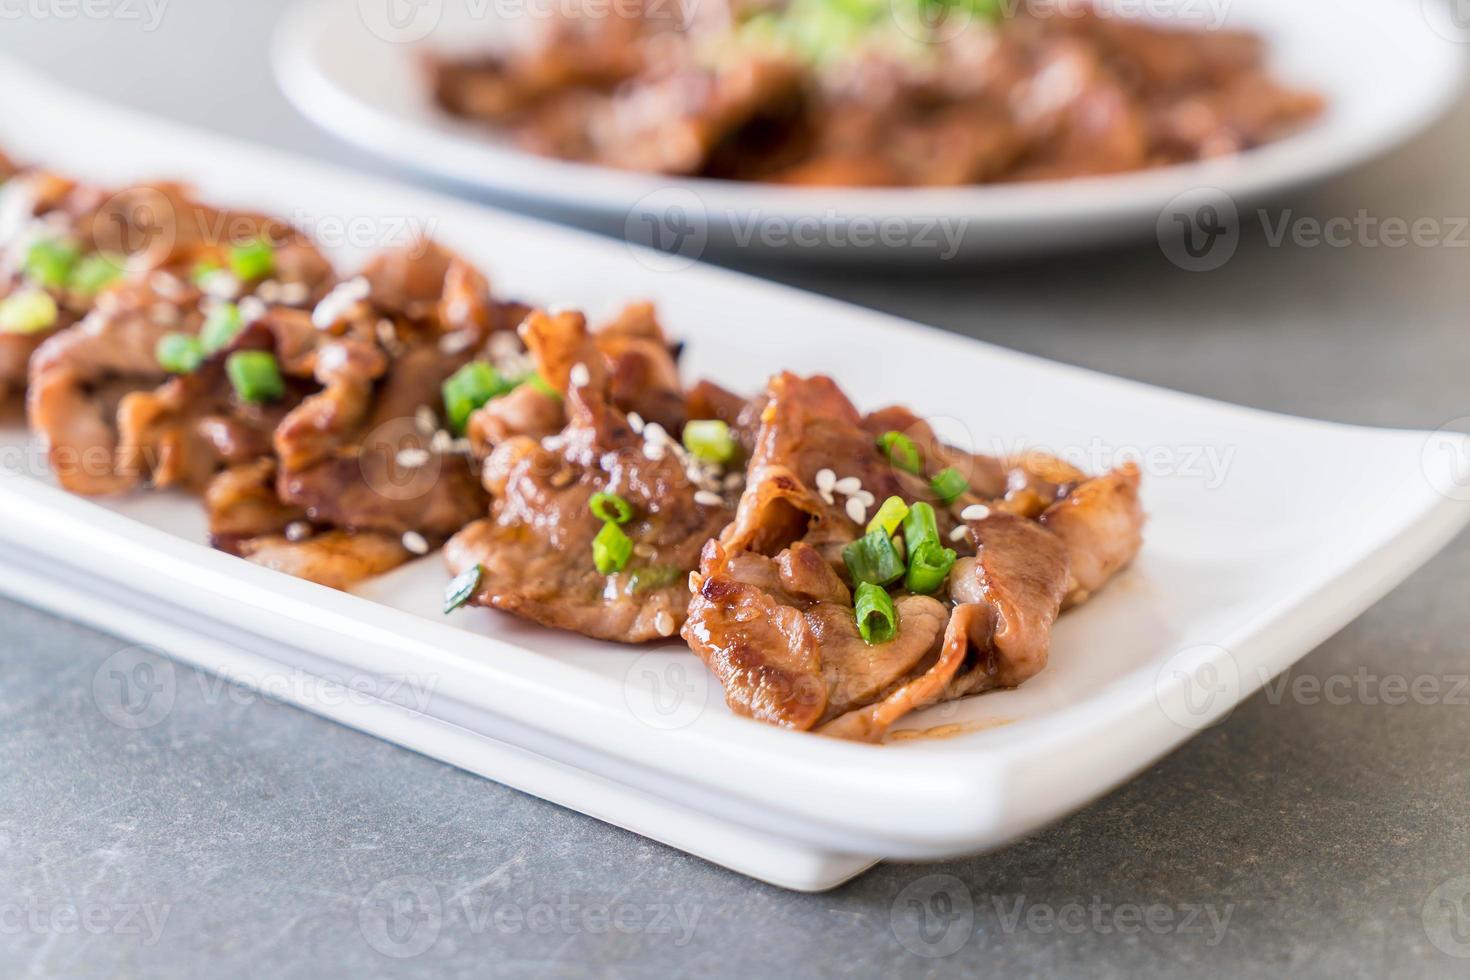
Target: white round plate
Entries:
(1387, 67)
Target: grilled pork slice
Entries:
(342, 434)
(64, 244)
(184, 432)
(643, 380)
(535, 552)
(773, 615)
(364, 457)
(336, 559)
(81, 376)
(248, 519)
(152, 241)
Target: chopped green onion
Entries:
(255, 375)
(179, 353)
(610, 507)
(95, 273)
(254, 261)
(611, 549)
(221, 327)
(920, 525)
(49, 262)
(464, 586)
(30, 311)
(873, 558)
(877, 620)
(889, 515)
(542, 385)
(949, 484)
(654, 577)
(203, 270)
(929, 565)
(468, 389)
(901, 451)
(709, 440)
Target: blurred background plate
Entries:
(353, 67)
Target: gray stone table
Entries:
(1307, 835)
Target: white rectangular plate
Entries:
(1266, 534)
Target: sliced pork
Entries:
(537, 556)
(773, 615)
(64, 245)
(812, 94)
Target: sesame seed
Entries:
(456, 343)
(298, 531)
(580, 376)
(415, 542)
(411, 459)
(867, 498)
(166, 285)
(635, 421)
(425, 421)
(440, 441)
(975, 512)
(332, 358)
(653, 451)
(295, 293)
(388, 337)
(336, 304)
(708, 499)
(221, 285)
(697, 473)
(553, 443)
(643, 550)
(655, 433)
(270, 291)
(958, 534)
(664, 623)
(825, 481)
(734, 480)
(504, 343)
(252, 309)
(856, 510)
(826, 495)
(848, 485)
